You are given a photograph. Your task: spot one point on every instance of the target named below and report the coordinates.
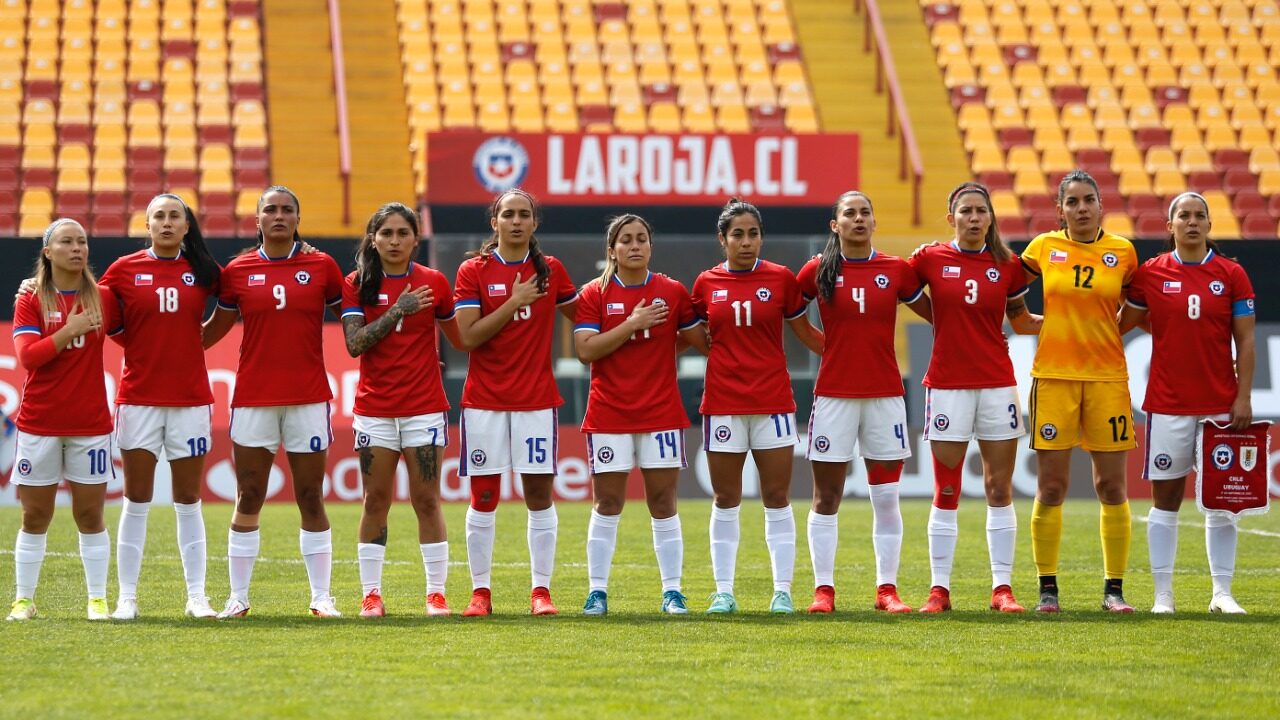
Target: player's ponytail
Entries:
(203, 266)
(832, 258)
(611, 239)
(369, 271)
(88, 298)
(539, 260)
(995, 244)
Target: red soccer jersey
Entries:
(512, 370)
(400, 374)
(858, 359)
(282, 302)
(744, 310)
(163, 308)
(66, 396)
(633, 389)
(969, 291)
(1191, 308)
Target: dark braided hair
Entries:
(203, 266)
(368, 263)
(535, 253)
(999, 251)
(829, 265)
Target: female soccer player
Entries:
(390, 309)
(164, 402)
(1197, 302)
(1080, 388)
(64, 426)
(970, 392)
(506, 298)
(747, 403)
(858, 397)
(282, 393)
(629, 324)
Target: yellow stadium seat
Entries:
(1134, 181)
(980, 136)
(35, 201)
(733, 119)
(1029, 181)
(1195, 158)
(987, 159)
(527, 118)
(1168, 182)
(1022, 157)
(1057, 160)
(1263, 158)
(562, 117)
(1005, 203)
(252, 136)
(629, 117)
(664, 117)
(1269, 182)
(802, 119)
(75, 180)
(1118, 223)
(33, 224)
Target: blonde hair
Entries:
(611, 239)
(87, 297)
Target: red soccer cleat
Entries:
(481, 603)
(371, 606)
(939, 600)
(540, 602)
(436, 606)
(824, 599)
(1002, 600)
(887, 600)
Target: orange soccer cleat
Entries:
(1002, 600)
(371, 606)
(939, 600)
(887, 599)
(540, 602)
(436, 605)
(481, 603)
(824, 599)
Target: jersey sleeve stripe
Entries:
(334, 301)
(352, 311)
(450, 316)
(915, 297)
(467, 303)
(586, 327)
(1019, 292)
(116, 331)
(799, 313)
(26, 330)
(1029, 269)
(226, 306)
(695, 322)
(567, 298)
(1134, 303)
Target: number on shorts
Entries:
(1193, 307)
(1119, 428)
(435, 436)
(98, 461)
(316, 443)
(900, 433)
(277, 291)
(782, 424)
(199, 446)
(666, 440)
(860, 297)
(742, 313)
(168, 299)
(537, 449)
(971, 291)
(1013, 416)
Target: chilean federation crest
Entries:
(500, 164)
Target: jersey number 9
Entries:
(277, 291)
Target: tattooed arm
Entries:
(1023, 321)
(361, 337)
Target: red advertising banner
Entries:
(469, 168)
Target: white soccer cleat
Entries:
(1226, 605)
(198, 607)
(97, 609)
(126, 609)
(235, 608)
(325, 608)
(1164, 604)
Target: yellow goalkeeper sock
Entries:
(1046, 537)
(1116, 527)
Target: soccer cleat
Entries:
(939, 600)
(481, 603)
(98, 609)
(371, 606)
(436, 606)
(887, 600)
(1002, 600)
(1163, 604)
(324, 608)
(540, 602)
(673, 603)
(824, 599)
(722, 603)
(781, 603)
(126, 609)
(1048, 595)
(1226, 605)
(1113, 597)
(597, 603)
(235, 608)
(22, 609)
(198, 607)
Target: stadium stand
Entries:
(103, 104)
(1152, 97)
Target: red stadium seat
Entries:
(1013, 137)
(595, 115)
(182, 177)
(246, 91)
(779, 52)
(39, 178)
(610, 11)
(1258, 226)
(1249, 202)
(1150, 137)
(1040, 204)
(42, 89)
(515, 51)
(1151, 226)
(1066, 94)
(145, 158)
(210, 134)
(1043, 222)
(218, 203)
(179, 49)
(1013, 228)
(109, 225)
(768, 118)
(9, 200)
(10, 156)
(75, 133)
(1140, 205)
(658, 92)
(108, 202)
(8, 225)
(935, 13)
(997, 180)
(1237, 180)
(145, 181)
(251, 178)
(247, 227)
(1093, 160)
(8, 178)
(1230, 158)
(250, 158)
(145, 90)
(1273, 206)
(1203, 181)
(242, 8)
(72, 204)
(967, 93)
(218, 225)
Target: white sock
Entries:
(886, 532)
(602, 538)
(242, 552)
(95, 555)
(317, 553)
(542, 530)
(1162, 545)
(780, 536)
(191, 546)
(480, 531)
(1220, 543)
(724, 546)
(943, 529)
(370, 557)
(435, 565)
(28, 556)
(668, 546)
(131, 539)
(824, 535)
(1002, 538)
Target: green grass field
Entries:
(636, 662)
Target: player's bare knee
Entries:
(608, 506)
(88, 519)
(36, 520)
(377, 503)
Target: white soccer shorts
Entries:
(182, 432)
(877, 427)
(300, 428)
(963, 415)
(740, 433)
(402, 432)
(609, 452)
(1171, 445)
(44, 460)
(494, 441)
